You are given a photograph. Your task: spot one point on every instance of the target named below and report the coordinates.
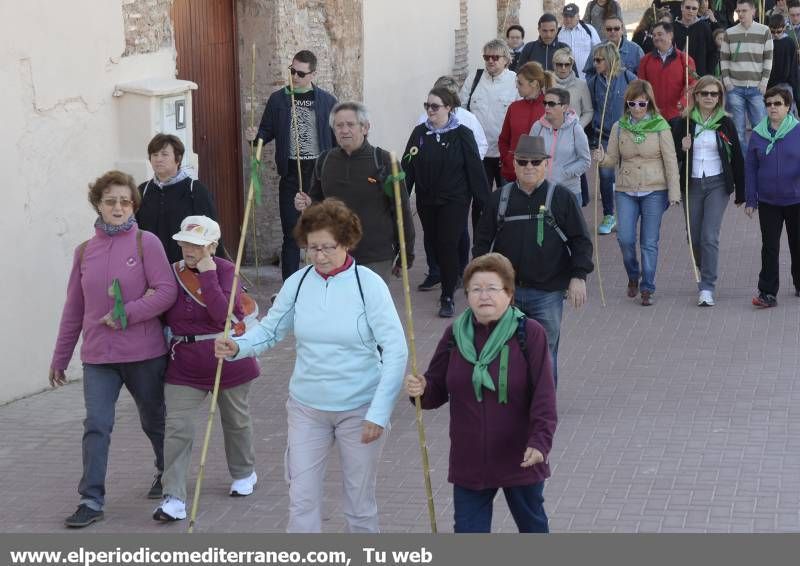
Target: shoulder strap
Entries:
(81, 251)
(139, 246)
(475, 81)
(522, 336)
(191, 195)
(548, 199)
(358, 282)
(300, 284)
(325, 154)
(505, 196)
(585, 28)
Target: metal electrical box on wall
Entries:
(146, 108)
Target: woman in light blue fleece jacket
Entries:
(351, 358)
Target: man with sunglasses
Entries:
(665, 69)
(541, 50)
(702, 47)
(630, 52)
(312, 108)
(579, 36)
(539, 227)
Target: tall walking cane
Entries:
(686, 202)
(251, 194)
(597, 187)
(423, 447)
(252, 151)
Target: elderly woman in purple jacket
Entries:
(195, 320)
(119, 285)
(772, 187)
(494, 368)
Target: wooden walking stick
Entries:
(688, 133)
(423, 447)
(597, 187)
(252, 149)
(255, 187)
(296, 134)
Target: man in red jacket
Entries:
(665, 69)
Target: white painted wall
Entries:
(529, 13)
(59, 62)
(482, 28)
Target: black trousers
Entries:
(443, 226)
(491, 165)
(771, 218)
(287, 189)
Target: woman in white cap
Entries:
(195, 320)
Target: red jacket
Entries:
(520, 116)
(668, 80)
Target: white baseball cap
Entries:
(199, 230)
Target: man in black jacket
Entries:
(543, 48)
(702, 47)
(549, 246)
(784, 58)
(355, 172)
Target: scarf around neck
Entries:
(464, 334)
(110, 229)
(452, 124)
(713, 123)
(762, 129)
(640, 129)
(182, 174)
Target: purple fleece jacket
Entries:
(774, 178)
(487, 439)
(194, 364)
(106, 258)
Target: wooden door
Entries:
(205, 39)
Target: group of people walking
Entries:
(149, 291)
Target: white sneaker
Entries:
(170, 509)
(244, 486)
(705, 299)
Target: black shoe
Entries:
(156, 490)
(797, 292)
(429, 284)
(764, 300)
(83, 517)
(447, 308)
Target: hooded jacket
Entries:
(520, 117)
(568, 148)
(579, 98)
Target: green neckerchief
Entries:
(118, 313)
(712, 123)
(464, 334)
(640, 129)
(762, 129)
(302, 90)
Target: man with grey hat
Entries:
(579, 36)
(539, 227)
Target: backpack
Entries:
(547, 215)
(583, 25)
(377, 159)
(475, 81)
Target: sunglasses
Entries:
(614, 28)
(639, 103)
(776, 30)
(526, 162)
(491, 57)
(563, 65)
(301, 74)
(708, 93)
(111, 202)
(771, 104)
(550, 103)
(432, 106)
(598, 59)
(691, 8)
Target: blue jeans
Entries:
(101, 386)
(650, 209)
(745, 99)
(546, 308)
(607, 179)
(473, 508)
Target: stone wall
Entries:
(507, 15)
(147, 25)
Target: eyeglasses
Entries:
(639, 103)
(776, 30)
(563, 65)
(301, 74)
(777, 103)
(432, 106)
(708, 93)
(491, 57)
(112, 202)
(598, 59)
(526, 162)
(327, 249)
(613, 28)
(551, 103)
(491, 291)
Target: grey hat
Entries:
(531, 147)
(570, 10)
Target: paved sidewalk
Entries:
(672, 418)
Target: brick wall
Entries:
(147, 24)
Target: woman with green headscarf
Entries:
(772, 186)
(494, 368)
(710, 145)
(641, 148)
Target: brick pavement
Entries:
(672, 419)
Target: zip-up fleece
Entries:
(520, 117)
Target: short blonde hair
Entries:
(564, 53)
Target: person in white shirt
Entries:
(579, 36)
(487, 93)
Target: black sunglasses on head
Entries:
(301, 74)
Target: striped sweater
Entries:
(746, 56)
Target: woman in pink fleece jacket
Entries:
(119, 285)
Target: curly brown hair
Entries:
(492, 263)
(106, 180)
(332, 215)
